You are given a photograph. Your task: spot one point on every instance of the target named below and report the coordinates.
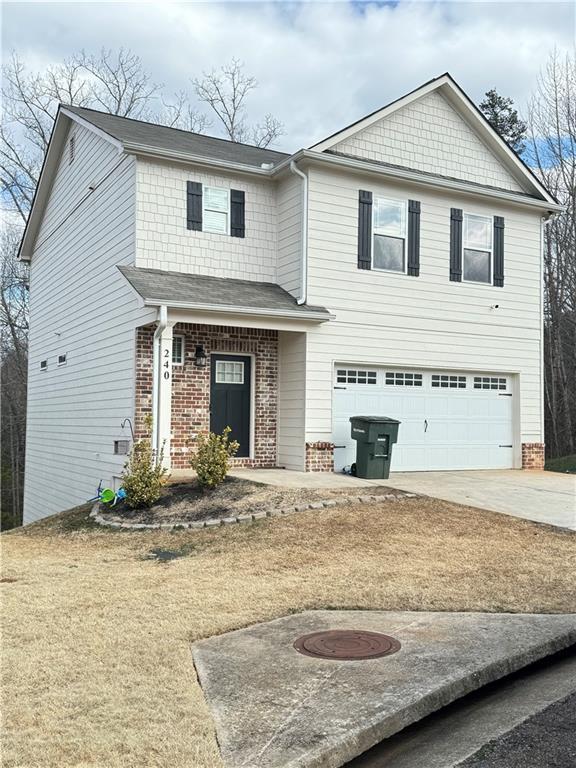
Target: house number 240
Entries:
(166, 363)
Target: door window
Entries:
(229, 372)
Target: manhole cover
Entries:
(346, 645)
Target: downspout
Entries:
(304, 276)
(157, 372)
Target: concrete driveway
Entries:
(546, 497)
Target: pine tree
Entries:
(500, 113)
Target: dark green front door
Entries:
(230, 388)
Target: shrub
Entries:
(212, 457)
(143, 477)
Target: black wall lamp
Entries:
(200, 357)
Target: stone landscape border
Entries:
(247, 517)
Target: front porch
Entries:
(191, 397)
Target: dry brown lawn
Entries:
(96, 661)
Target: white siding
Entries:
(290, 234)
(81, 307)
(291, 389)
(423, 322)
(429, 135)
(164, 242)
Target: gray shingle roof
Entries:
(162, 138)
(156, 286)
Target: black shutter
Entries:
(499, 251)
(364, 229)
(413, 238)
(194, 205)
(456, 244)
(237, 217)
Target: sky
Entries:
(319, 65)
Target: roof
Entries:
(160, 137)
(223, 294)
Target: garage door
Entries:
(450, 420)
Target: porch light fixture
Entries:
(200, 357)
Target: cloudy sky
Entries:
(319, 65)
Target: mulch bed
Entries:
(235, 496)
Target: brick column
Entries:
(319, 457)
(532, 455)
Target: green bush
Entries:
(211, 459)
(143, 477)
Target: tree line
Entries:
(117, 82)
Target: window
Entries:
(389, 240)
(403, 379)
(448, 382)
(216, 210)
(477, 248)
(489, 382)
(44, 365)
(61, 359)
(177, 350)
(345, 376)
(229, 372)
(121, 447)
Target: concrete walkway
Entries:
(545, 497)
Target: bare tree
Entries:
(13, 373)
(552, 151)
(225, 92)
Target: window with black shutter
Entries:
(194, 205)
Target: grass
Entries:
(563, 464)
(97, 665)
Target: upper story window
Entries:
(389, 234)
(216, 210)
(477, 248)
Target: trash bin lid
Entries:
(375, 419)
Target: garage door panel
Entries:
(441, 427)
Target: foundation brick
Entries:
(319, 457)
(532, 455)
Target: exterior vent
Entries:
(121, 447)
(71, 149)
(44, 365)
(61, 359)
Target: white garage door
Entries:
(450, 420)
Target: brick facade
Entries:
(191, 387)
(319, 457)
(532, 455)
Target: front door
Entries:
(230, 386)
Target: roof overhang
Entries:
(309, 317)
(418, 177)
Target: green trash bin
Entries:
(375, 437)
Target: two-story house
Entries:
(393, 268)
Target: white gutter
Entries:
(296, 315)
(186, 157)
(156, 373)
(419, 178)
(304, 274)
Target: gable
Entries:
(429, 135)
